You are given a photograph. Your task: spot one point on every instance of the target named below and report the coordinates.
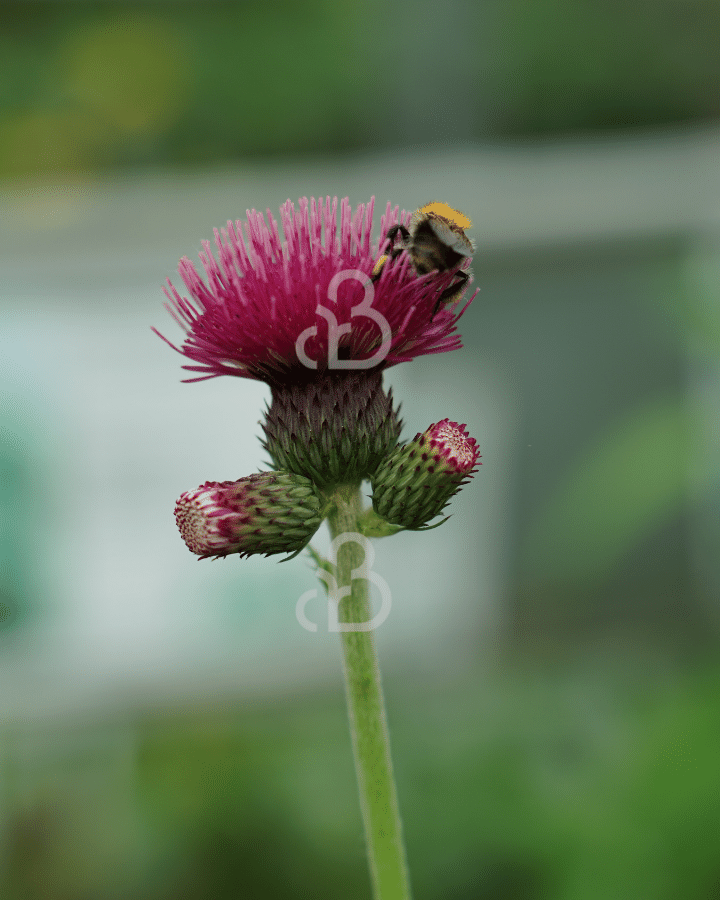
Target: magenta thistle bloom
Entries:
(270, 512)
(263, 293)
(416, 481)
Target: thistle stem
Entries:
(366, 710)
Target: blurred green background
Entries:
(551, 664)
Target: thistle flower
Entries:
(318, 316)
(415, 483)
(270, 512)
(265, 293)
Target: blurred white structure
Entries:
(120, 612)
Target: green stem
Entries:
(366, 709)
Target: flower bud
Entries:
(415, 483)
(335, 428)
(270, 512)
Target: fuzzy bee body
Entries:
(435, 241)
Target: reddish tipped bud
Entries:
(270, 512)
(415, 483)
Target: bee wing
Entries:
(454, 238)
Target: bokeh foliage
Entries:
(99, 85)
(541, 786)
(88, 86)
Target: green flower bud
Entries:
(270, 512)
(415, 483)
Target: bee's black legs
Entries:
(396, 230)
(462, 279)
(393, 251)
(392, 234)
(459, 282)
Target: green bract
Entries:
(337, 428)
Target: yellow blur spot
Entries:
(128, 70)
(49, 141)
(447, 212)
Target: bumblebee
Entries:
(435, 241)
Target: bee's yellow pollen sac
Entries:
(377, 268)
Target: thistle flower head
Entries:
(337, 428)
(262, 310)
(415, 483)
(270, 512)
